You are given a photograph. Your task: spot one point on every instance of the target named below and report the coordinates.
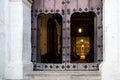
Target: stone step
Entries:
(63, 75)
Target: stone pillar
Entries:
(2, 38)
(110, 67)
(14, 64)
(27, 64)
(18, 39)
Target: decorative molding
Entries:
(30, 1)
(15, 0)
(27, 3)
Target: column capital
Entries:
(30, 1)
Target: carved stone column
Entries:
(27, 64)
(14, 65)
(18, 43)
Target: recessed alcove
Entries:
(49, 38)
(82, 37)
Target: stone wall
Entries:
(15, 50)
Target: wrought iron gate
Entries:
(66, 8)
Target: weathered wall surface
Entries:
(2, 37)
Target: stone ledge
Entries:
(63, 75)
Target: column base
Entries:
(14, 71)
(27, 67)
(109, 70)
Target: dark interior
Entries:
(53, 55)
(84, 22)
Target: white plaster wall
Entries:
(110, 68)
(119, 33)
(118, 44)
